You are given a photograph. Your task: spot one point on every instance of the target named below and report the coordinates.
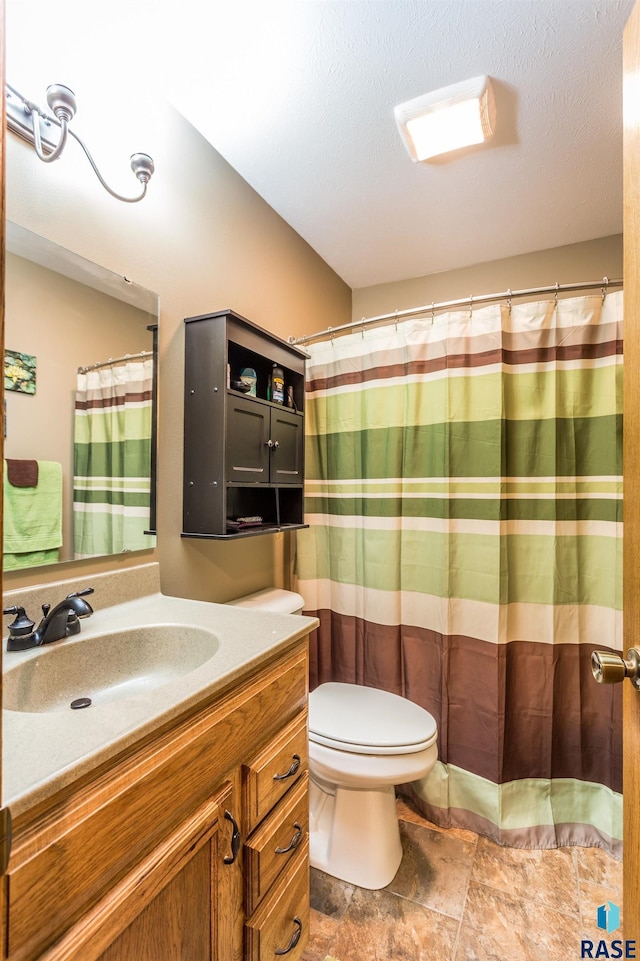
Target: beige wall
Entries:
(65, 325)
(204, 240)
(576, 263)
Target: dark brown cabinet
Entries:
(243, 454)
(264, 445)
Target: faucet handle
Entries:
(84, 611)
(22, 623)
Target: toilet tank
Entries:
(272, 599)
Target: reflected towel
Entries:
(33, 515)
(22, 473)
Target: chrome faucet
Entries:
(63, 620)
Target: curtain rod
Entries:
(469, 302)
(115, 360)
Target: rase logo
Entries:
(608, 919)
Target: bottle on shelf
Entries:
(276, 385)
(248, 376)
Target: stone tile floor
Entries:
(460, 897)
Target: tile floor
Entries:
(460, 897)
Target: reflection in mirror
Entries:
(79, 406)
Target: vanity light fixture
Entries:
(447, 119)
(33, 124)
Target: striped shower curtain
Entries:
(112, 459)
(464, 496)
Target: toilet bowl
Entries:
(362, 742)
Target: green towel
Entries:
(18, 562)
(33, 515)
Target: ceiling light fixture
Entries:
(31, 123)
(447, 119)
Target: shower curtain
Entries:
(112, 459)
(464, 497)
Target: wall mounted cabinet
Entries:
(243, 455)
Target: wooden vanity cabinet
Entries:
(174, 850)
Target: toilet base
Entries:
(354, 834)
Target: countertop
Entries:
(43, 752)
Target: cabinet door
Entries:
(247, 437)
(167, 907)
(177, 925)
(287, 429)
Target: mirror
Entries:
(70, 324)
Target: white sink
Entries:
(104, 667)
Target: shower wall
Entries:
(565, 265)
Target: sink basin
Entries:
(105, 667)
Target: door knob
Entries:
(610, 668)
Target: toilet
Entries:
(362, 742)
(272, 599)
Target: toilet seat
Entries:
(366, 720)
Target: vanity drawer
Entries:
(278, 840)
(281, 923)
(270, 774)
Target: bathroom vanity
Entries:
(171, 825)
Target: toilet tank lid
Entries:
(272, 599)
(367, 716)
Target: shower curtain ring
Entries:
(555, 296)
(470, 306)
(331, 338)
(605, 282)
(509, 295)
(396, 323)
(433, 311)
(363, 328)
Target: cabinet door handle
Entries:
(273, 444)
(235, 839)
(295, 937)
(292, 770)
(294, 842)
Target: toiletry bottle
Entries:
(276, 385)
(248, 376)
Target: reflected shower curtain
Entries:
(464, 493)
(112, 459)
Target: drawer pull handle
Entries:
(292, 770)
(294, 842)
(295, 937)
(235, 839)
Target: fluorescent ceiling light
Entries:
(447, 119)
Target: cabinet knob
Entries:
(295, 937)
(235, 839)
(294, 842)
(292, 770)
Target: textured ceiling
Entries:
(298, 96)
